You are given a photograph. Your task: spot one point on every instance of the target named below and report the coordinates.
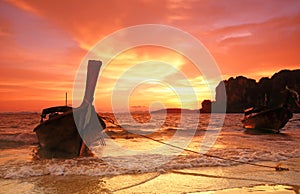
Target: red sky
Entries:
(43, 43)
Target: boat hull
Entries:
(59, 135)
(270, 120)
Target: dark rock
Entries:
(242, 92)
(206, 106)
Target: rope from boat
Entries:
(224, 177)
(277, 168)
(137, 184)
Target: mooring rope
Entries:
(137, 184)
(218, 176)
(277, 168)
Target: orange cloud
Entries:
(45, 41)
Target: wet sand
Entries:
(262, 189)
(233, 179)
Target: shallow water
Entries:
(128, 154)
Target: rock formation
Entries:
(242, 92)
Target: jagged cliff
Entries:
(242, 92)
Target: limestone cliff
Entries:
(242, 92)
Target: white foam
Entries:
(25, 138)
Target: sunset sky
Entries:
(43, 43)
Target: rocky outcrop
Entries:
(242, 92)
(206, 106)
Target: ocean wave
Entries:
(233, 145)
(112, 166)
(24, 138)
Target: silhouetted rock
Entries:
(206, 106)
(242, 92)
(278, 83)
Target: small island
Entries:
(175, 110)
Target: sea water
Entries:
(130, 153)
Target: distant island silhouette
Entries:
(175, 110)
(242, 92)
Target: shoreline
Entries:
(232, 179)
(205, 180)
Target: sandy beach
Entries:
(237, 179)
(208, 180)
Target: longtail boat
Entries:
(267, 119)
(61, 128)
(271, 119)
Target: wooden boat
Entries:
(272, 119)
(267, 119)
(61, 128)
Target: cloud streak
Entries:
(44, 42)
